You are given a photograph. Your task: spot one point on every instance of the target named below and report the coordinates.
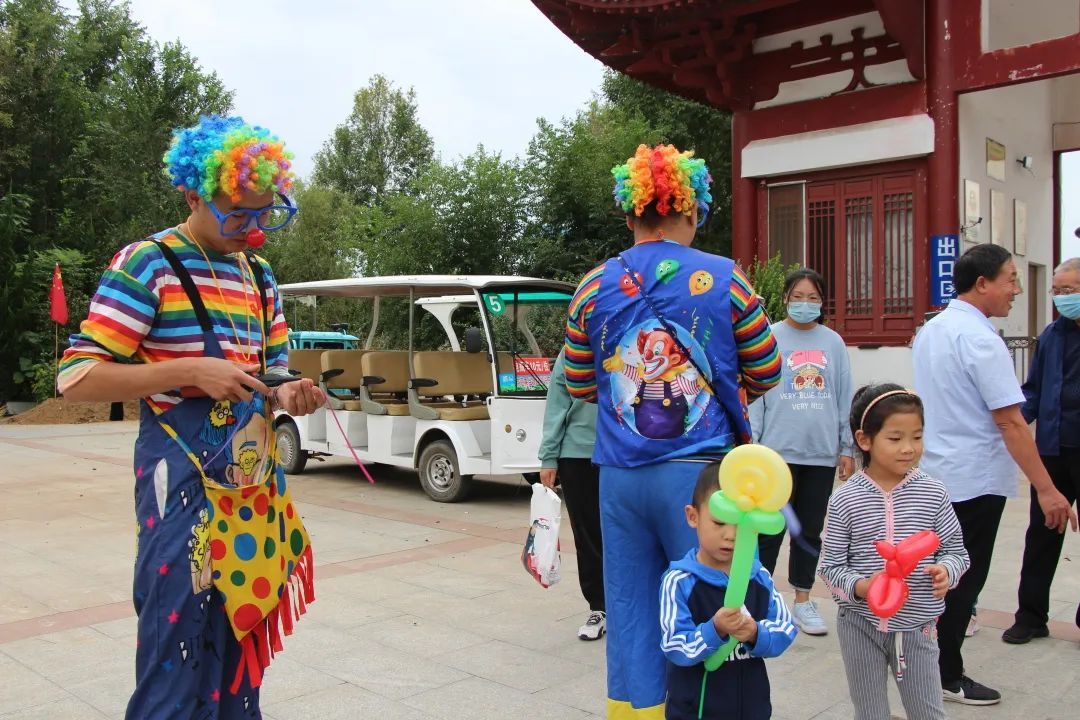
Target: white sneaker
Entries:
(973, 627)
(595, 627)
(807, 618)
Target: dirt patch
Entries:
(58, 411)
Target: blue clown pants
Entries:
(643, 523)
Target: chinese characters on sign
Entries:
(530, 373)
(944, 249)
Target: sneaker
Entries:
(595, 627)
(808, 620)
(973, 627)
(969, 692)
(1020, 634)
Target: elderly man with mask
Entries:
(1052, 393)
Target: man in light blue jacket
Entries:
(566, 459)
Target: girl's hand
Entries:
(940, 575)
(862, 587)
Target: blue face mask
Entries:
(804, 312)
(1068, 305)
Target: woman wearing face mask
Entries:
(804, 418)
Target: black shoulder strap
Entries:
(260, 280)
(188, 284)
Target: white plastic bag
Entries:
(541, 553)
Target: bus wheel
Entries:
(439, 474)
(293, 458)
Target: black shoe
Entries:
(1020, 634)
(969, 692)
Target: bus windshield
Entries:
(528, 328)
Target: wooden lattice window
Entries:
(861, 236)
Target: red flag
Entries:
(58, 309)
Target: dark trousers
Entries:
(979, 519)
(1042, 546)
(810, 490)
(580, 481)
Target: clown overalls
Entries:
(223, 557)
(658, 427)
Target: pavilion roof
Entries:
(705, 49)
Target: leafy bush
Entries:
(768, 281)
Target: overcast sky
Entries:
(483, 70)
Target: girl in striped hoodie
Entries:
(890, 499)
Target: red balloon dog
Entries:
(888, 591)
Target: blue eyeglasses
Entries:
(271, 217)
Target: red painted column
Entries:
(943, 165)
(744, 240)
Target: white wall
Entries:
(1021, 118)
(1010, 23)
(886, 364)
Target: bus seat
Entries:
(307, 362)
(352, 376)
(385, 382)
(450, 373)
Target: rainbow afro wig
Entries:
(664, 178)
(226, 155)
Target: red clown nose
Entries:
(255, 238)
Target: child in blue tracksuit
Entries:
(694, 623)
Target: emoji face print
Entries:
(666, 269)
(701, 282)
(626, 284)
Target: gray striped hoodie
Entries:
(860, 513)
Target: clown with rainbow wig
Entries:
(671, 344)
(189, 321)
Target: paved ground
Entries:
(423, 611)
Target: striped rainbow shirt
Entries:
(759, 357)
(140, 313)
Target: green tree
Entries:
(34, 351)
(575, 223)
(321, 243)
(469, 217)
(381, 148)
(87, 105)
(687, 125)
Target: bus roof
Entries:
(421, 285)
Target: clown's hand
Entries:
(703, 384)
(301, 397)
(614, 364)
